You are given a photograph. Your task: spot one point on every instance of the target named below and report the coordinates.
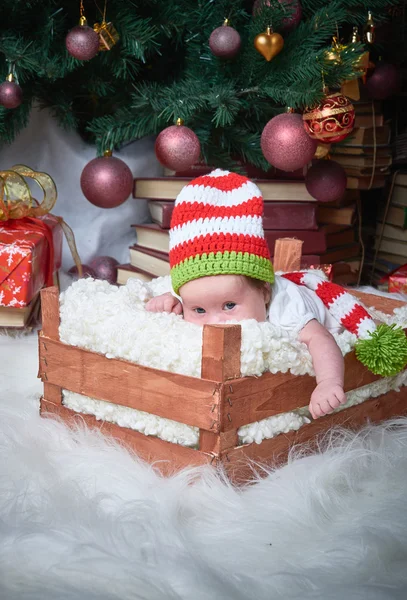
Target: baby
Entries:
(222, 271)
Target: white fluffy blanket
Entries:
(98, 316)
(80, 519)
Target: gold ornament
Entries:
(269, 44)
(108, 35)
(333, 55)
(322, 150)
(369, 29)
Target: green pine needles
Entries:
(162, 68)
(385, 351)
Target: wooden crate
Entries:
(218, 403)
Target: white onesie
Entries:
(292, 306)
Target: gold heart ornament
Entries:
(269, 44)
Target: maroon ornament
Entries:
(107, 181)
(86, 272)
(82, 42)
(326, 181)
(177, 147)
(383, 82)
(105, 267)
(292, 8)
(225, 41)
(11, 95)
(285, 143)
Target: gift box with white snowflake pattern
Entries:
(24, 259)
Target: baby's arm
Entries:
(329, 369)
(165, 303)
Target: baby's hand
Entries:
(327, 396)
(165, 303)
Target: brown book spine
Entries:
(336, 216)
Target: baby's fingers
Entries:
(177, 309)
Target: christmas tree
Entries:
(162, 67)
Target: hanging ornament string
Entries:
(386, 210)
(361, 242)
(16, 202)
(374, 148)
(107, 33)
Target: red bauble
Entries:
(383, 82)
(291, 7)
(82, 42)
(11, 95)
(332, 120)
(224, 42)
(105, 267)
(177, 147)
(285, 144)
(86, 272)
(106, 182)
(326, 181)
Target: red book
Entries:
(315, 242)
(277, 215)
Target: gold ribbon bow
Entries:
(16, 201)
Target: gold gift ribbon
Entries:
(112, 37)
(16, 201)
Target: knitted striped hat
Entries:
(217, 229)
(382, 349)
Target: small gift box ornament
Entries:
(108, 35)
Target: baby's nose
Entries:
(215, 318)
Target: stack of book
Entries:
(328, 231)
(366, 153)
(391, 232)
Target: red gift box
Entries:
(398, 280)
(25, 256)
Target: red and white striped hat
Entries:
(382, 349)
(217, 229)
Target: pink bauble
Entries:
(82, 42)
(106, 182)
(326, 181)
(177, 147)
(383, 82)
(86, 272)
(11, 95)
(225, 42)
(291, 7)
(105, 267)
(285, 143)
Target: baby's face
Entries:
(221, 298)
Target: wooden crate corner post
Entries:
(50, 330)
(221, 363)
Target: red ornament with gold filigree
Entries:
(330, 121)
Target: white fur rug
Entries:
(80, 519)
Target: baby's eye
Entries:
(199, 310)
(229, 305)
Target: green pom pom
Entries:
(385, 351)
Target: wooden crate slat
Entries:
(256, 398)
(382, 303)
(189, 400)
(275, 450)
(169, 458)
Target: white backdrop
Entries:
(44, 146)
